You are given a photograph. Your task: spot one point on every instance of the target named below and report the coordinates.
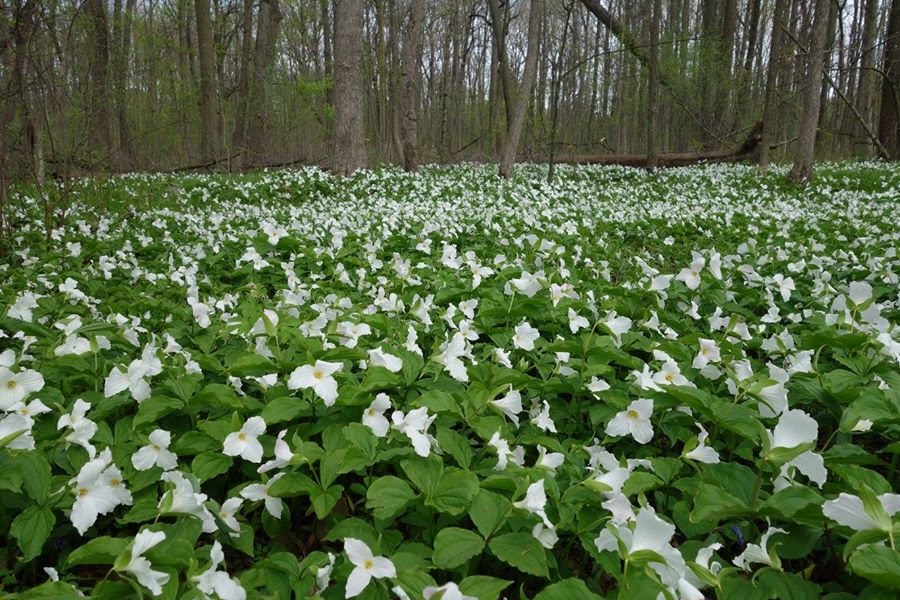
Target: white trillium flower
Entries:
(244, 443)
(93, 495)
(448, 591)
(367, 566)
(260, 491)
(228, 514)
(283, 455)
(380, 358)
(220, 583)
(524, 336)
(323, 573)
(577, 322)
(374, 418)
(504, 453)
(794, 428)
(633, 421)
(15, 387)
(702, 452)
(156, 453)
(510, 405)
(848, 510)
(545, 535)
(757, 553)
(597, 385)
(140, 567)
(535, 501)
(415, 426)
(319, 377)
(859, 292)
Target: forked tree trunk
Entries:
(802, 170)
(523, 93)
(349, 122)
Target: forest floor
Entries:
(615, 384)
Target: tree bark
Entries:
(889, 119)
(865, 86)
(499, 25)
(209, 146)
(263, 64)
(775, 58)
(652, 88)
(802, 170)
(120, 74)
(242, 103)
(411, 79)
(99, 77)
(523, 94)
(349, 127)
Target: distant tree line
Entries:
(119, 85)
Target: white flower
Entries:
(20, 426)
(617, 325)
(541, 418)
(690, 276)
(633, 421)
(550, 460)
(757, 553)
(545, 535)
(228, 512)
(448, 591)
(379, 358)
(319, 378)
(374, 418)
(450, 356)
(504, 454)
(155, 453)
(597, 385)
(260, 491)
(93, 497)
(528, 284)
(244, 443)
(212, 581)
(702, 452)
(535, 501)
(709, 352)
(510, 405)
(415, 426)
(367, 566)
(323, 573)
(525, 335)
(83, 429)
(670, 374)
(859, 292)
(577, 322)
(183, 499)
(283, 455)
(15, 387)
(140, 567)
(848, 510)
(794, 428)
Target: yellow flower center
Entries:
(371, 412)
(114, 482)
(633, 414)
(670, 377)
(155, 447)
(83, 492)
(318, 374)
(11, 384)
(242, 436)
(368, 564)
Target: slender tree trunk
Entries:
(99, 78)
(775, 58)
(889, 120)
(242, 102)
(349, 129)
(499, 26)
(411, 78)
(802, 170)
(121, 62)
(653, 88)
(523, 94)
(209, 146)
(263, 64)
(865, 86)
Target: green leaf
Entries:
(792, 500)
(36, 476)
(521, 551)
(454, 492)
(867, 536)
(99, 551)
(292, 484)
(324, 500)
(453, 546)
(286, 408)
(388, 496)
(787, 586)
(711, 502)
(483, 587)
(877, 563)
(10, 473)
(210, 464)
(456, 445)
(251, 365)
(31, 529)
(487, 511)
(874, 508)
(567, 589)
(424, 473)
(155, 407)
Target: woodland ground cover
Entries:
(678, 385)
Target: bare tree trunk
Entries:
(499, 26)
(121, 60)
(523, 94)
(263, 63)
(209, 146)
(889, 119)
(99, 77)
(242, 103)
(411, 78)
(349, 128)
(802, 170)
(652, 88)
(775, 58)
(865, 87)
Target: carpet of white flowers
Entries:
(620, 385)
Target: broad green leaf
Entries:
(454, 491)
(877, 563)
(324, 500)
(210, 464)
(521, 551)
(31, 529)
(35, 476)
(453, 546)
(286, 408)
(292, 484)
(567, 589)
(483, 587)
(99, 551)
(155, 407)
(488, 510)
(387, 496)
(251, 365)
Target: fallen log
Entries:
(746, 150)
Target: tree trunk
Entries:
(263, 64)
(775, 58)
(209, 146)
(523, 94)
(652, 88)
(120, 74)
(349, 126)
(99, 78)
(865, 86)
(242, 102)
(802, 170)
(411, 78)
(499, 25)
(889, 120)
